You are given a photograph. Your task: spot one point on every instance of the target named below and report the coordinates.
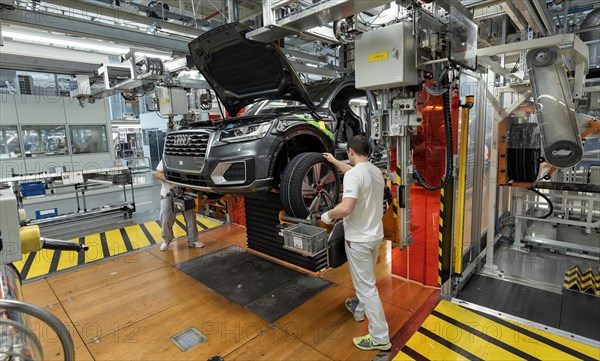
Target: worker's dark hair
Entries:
(359, 144)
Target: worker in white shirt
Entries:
(362, 212)
(167, 214)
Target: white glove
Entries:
(326, 219)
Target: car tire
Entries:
(301, 194)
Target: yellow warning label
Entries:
(322, 124)
(382, 55)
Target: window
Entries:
(10, 144)
(88, 139)
(44, 140)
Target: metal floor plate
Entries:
(265, 288)
(526, 302)
(188, 338)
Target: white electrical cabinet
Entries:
(385, 58)
(172, 101)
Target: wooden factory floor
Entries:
(129, 307)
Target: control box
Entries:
(172, 101)
(385, 58)
(403, 115)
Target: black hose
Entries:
(550, 205)
(449, 148)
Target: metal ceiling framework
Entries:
(97, 22)
(99, 19)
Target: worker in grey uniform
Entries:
(362, 211)
(167, 214)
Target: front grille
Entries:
(236, 173)
(183, 178)
(195, 147)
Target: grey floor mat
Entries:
(267, 289)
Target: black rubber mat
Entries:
(522, 301)
(277, 304)
(267, 289)
(580, 314)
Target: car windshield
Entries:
(318, 92)
(275, 106)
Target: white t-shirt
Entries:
(166, 187)
(364, 183)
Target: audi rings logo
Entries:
(182, 140)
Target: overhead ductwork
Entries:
(590, 21)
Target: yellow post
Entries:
(462, 176)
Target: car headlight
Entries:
(245, 132)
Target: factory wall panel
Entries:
(8, 110)
(92, 161)
(8, 167)
(28, 110)
(95, 113)
(41, 164)
(40, 109)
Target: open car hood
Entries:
(242, 71)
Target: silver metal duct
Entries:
(592, 20)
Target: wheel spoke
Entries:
(328, 178)
(328, 198)
(316, 170)
(314, 206)
(307, 189)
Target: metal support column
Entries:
(519, 198)
(403, 164)
(490, 267)
(479, 166)
(267, 13)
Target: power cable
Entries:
(548, 200)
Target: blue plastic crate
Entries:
(32, 189)
(46, 213)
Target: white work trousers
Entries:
(362, 257)
(167, 219)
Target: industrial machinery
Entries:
(18, 340)
(408, 58)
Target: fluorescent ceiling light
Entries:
(66, 42)
(312, 65)
(119, 125)
(153, 55)
(72, 43)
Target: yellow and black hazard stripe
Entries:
(445, 232)
(101, 246)
(441, 238)
(395, 207)
(453, 332)
(222, 207)
(587, 281)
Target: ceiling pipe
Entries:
(591, 20)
